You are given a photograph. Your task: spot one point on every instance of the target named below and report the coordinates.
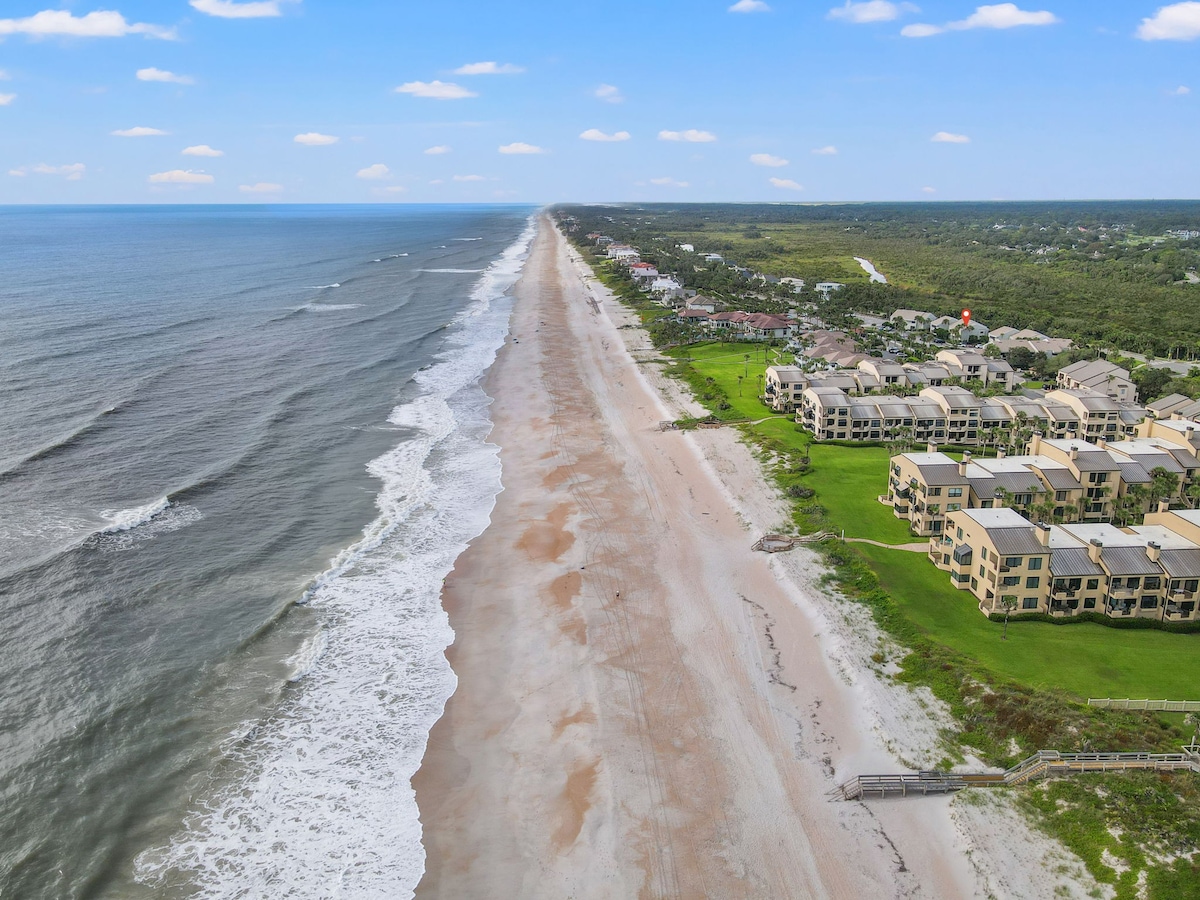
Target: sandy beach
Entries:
(646, 707)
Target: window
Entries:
(954, 492)
(959, 533)
(1153, 583)
(935, 492)
(982, 574)
(1060, 496)
(1093, 584)
(1115, 584)
(1029, 603)
(1035, 563)
(1192, 584)
(983, 554)
(1013, 562)
(1149, 601)
(1089, 603)
(1032, 582)
(1133, 583)
(1011, 580)
(952, 507)
(945, 559)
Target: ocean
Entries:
(240, 448)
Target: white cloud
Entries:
(60, 22)
(261, 187)
(691, 136)
(749, 6)
(920, 31)
(227, 9)
(138, 131)
(488, 68)
(829, 150)
(469, 178)
(948, 137)
(609, 94)
(928, 190)
(153, 74)
(870, 11)
(181, 176)
(6, 99)
(374, 173)
(786, 184)
(439, 150)
(72, 171)
(520, 148)
(766, 159)
(315, 139)
(595, 134)
(1177, 22)
(435, 90)
(202, 150)
(999, 15)
(669, 182)
(1182, 91)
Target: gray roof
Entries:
(1094, 460)
(1164, 406)
(1134, 473)
(937, 475)
(1016, 541)
(1073, 562)
(1129, 561)
(1061, 479)
(1181, 563)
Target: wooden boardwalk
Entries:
(1043, 764)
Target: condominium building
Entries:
(1101, 376)
(1011, 565)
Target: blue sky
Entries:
(785, 100)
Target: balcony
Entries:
(1180, 594)
(1124, 592)
(1062, 592)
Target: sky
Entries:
(316, 101)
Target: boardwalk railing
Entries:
(1042, 764)
(1154, 705)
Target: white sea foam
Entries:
(325, 287)
(327, 307)
(324, 806)
(468, 239)
(126, 519)
(453, 271)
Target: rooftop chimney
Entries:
(1094, 550)
(1043, 534)
(1102, 444)
(931, 447)
(1154, 550)
(962, 466)
(1001, 453)
(1164, 506)
(1074, 453)
(1035, 444)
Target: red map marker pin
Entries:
(966, 318)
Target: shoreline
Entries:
(678, 739)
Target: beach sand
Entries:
(646, 707)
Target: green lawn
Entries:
(724, 362)
(1086, 659)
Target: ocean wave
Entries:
(453, 271)
(12, 468)
(126, 519)
(468, 239)
(327, 307)
(392, 256)
(343, 747)
(326, 287)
